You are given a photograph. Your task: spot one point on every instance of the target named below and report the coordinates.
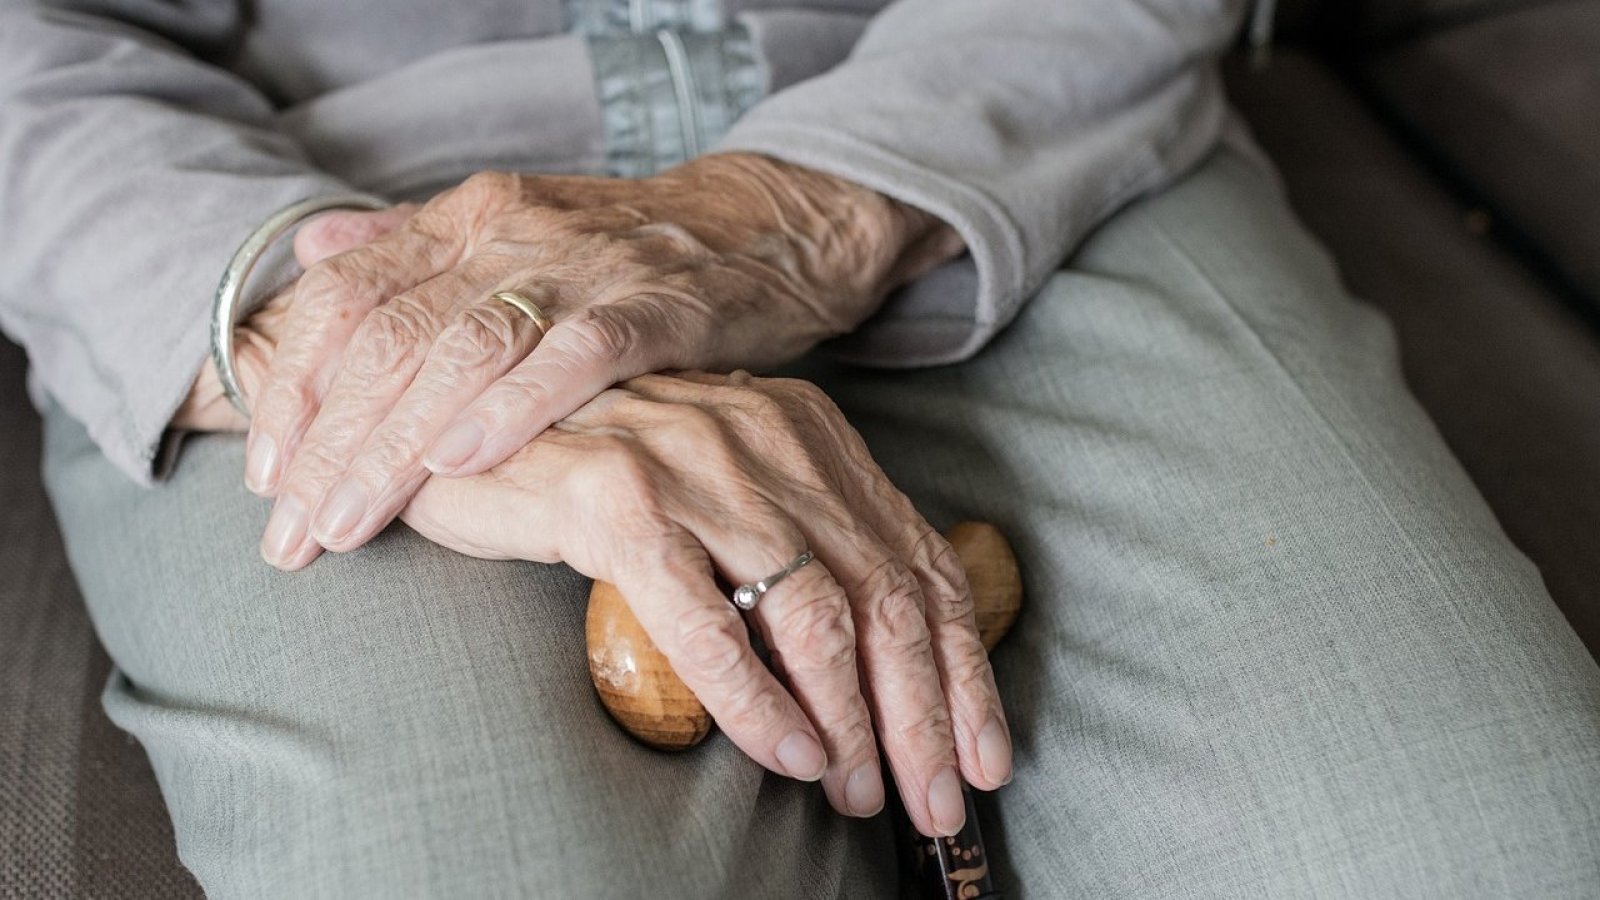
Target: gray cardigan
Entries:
(141, 140)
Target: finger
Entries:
(982, 735)
(905, 682)
(384, 355)
(580, 357)
(891, 651)
(806, 622)
(748, 538)
(482, 344)
(901, 678)
(706, 640)
(508, 515)
(807, 617)
(333, 233)
(331, 300)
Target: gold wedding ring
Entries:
(528, 307)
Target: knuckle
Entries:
(969, 674)
(437, 222)
(856, 737)
(756, 707)
(392, 451)
(929, 728)
(819, 633)
(488, 187)
(765, 406)
(712, 641)
(482, 335)
(390, 335)
(761, 411)
(330, 285)
(286, 401)
(805, 395)
(315, 464)
(696, 427)
(601, 335)
(657, 241)
(896, 610)
(949, 598)
(511, 396)
(617, 474)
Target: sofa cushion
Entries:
(1370, 23)
(80, 814)
(1383, 20)
(1511, 104)
(1507, 371)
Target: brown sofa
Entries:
(1447, 152)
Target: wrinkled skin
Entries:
(662, 483)
(394, 362)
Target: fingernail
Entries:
(994, 752)
(260, 468)
(286, 529)
(454, 447)
(863, 791)
(802, 757)
(945, 803)
(341, 512)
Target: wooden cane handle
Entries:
(639, 689)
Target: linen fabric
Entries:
(1274, 642)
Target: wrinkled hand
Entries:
(206, 408)
(394, 362)
(659, 484)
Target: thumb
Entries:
(332, 233)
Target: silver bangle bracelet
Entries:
(225, 312)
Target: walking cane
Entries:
(641, 692)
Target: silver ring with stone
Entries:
(746, 596)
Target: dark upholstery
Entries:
(1378, 21)
(80, 815)
(1373, 23)
(1511, 103)
(1508, 372)
(1511, 376)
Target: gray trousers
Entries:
(1275, 643)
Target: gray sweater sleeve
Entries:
(1022, 123)
(129, 172)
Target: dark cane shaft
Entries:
(946, 868)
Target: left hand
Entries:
(395, 362)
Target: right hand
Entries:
(207, 408)
(662, 483)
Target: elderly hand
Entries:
(394, 360)
(660, 484)
(206, 408)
